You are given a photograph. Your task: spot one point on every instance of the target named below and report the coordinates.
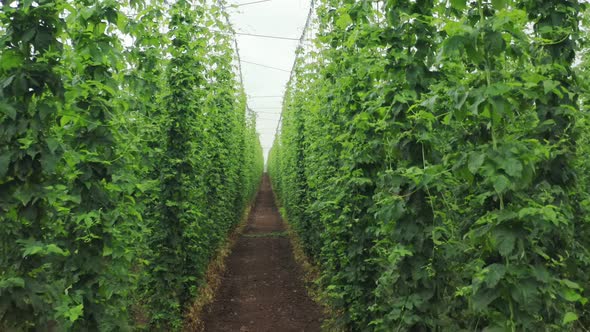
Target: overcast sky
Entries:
(284, 18)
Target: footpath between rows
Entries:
(262, 289)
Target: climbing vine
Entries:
(127, 156)
(31, 95)
(429, 157)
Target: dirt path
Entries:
(262, 289)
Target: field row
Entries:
(433, 156)
(126, 157)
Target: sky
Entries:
(283, 18)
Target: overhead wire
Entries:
(237, 50)
(233, 33)
(250, 3)
(251, 34)
(301, 40)
(266, 36)
(299, 47)
(266, 66)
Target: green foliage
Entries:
(34, 241)
(203, 187)
(122, 167)
(429, 157)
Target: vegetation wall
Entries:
(432, 155)
(126, 156)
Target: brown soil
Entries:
(262, 289)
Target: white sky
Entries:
(284, 18)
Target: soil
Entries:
(262, 289)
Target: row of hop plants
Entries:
(126, 156)
(432, 156)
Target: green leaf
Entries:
(28, 36)
(476, 159)
(24, 195)
(12, 282)
(6, 82)
(453, 28)
(494, 43)
(500, 183)
(499, 4)
(483, 298)
(4, 162)
(32, 247)
(570, 284)
(50, 161)
(569, 317)
(52, 144)
(8, 110)
(343, 21)
(504, 240)
(495, 273)
(459, 4)
(513, 167)
(549, 85)
(54, 249)
(9, 60)
(540, 273)
(32, 250)
(74, 313)
(571, 295)
(453, 45)
(87, 12)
